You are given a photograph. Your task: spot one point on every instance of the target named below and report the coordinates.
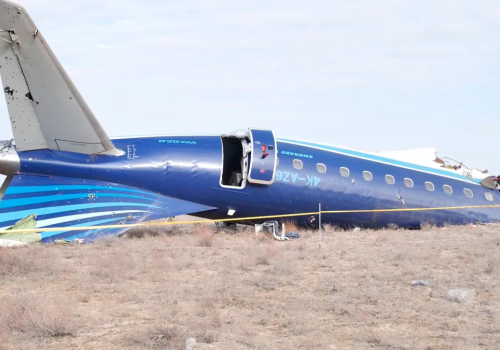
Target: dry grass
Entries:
(204, 235)
(36, 316)
(156, 287)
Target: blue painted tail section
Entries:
(68, 202)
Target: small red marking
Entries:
(262, 171)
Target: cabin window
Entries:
(489, 196)
(468, 193)
(297, 164)
(321, 168)
(447, 189)
(390, 179)
(367, 176)
(344, 172)
(408, 182)
(429, 186)
(277, 161)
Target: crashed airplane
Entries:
(63, 171)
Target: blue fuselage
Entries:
(189, 168)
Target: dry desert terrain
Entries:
(156, 287)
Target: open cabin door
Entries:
(248, 156)
(263, 157)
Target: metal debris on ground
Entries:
(272, 227)
(420, 283)
(190, 343)
(462, 295)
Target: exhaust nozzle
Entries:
(10, 163)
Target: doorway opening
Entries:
(234, 163)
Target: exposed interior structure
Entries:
(234, 162)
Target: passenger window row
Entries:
(368, 176)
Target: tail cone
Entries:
(9, 160)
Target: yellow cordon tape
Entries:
(243, 219)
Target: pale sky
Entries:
(378, 75)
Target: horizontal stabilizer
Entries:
(46, 202)
(45, 108)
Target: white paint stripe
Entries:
(59, 220)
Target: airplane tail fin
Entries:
(45, 108)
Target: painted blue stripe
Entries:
(31, 189)
(382, 159)
(61, 209)
(92, 223)
(79, 217)
(87, 216)
(83, 193)
(9, 203)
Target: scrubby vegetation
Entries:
(155, 287)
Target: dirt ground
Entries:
(250, 292)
